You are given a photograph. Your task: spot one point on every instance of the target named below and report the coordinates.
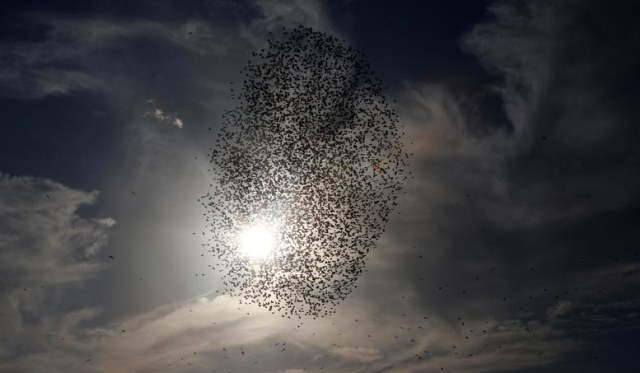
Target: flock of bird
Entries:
(312, 149)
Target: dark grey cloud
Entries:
(532, 222)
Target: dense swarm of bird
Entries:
(312, 149)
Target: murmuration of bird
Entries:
(312, 147)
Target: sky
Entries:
(514, 247)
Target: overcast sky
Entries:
(514, 249)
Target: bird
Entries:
(311, 140)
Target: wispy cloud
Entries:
(44, 241)
(159, 115)
(68, 57)
(46, 248)
(221, 334)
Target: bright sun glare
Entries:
(256, 241)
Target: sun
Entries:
(256, 241)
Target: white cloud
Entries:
(177, 122)
(161, 116)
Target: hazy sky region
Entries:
(514, 248)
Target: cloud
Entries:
(291, 13)
(44, 241)
(549, 60)
(41, 82)
(69, 56)
(161, 116)
(504, 237)
(221, 334)
(46, 248)
(362, 355)
(275, 14)
(559, 309)
(515, 222)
